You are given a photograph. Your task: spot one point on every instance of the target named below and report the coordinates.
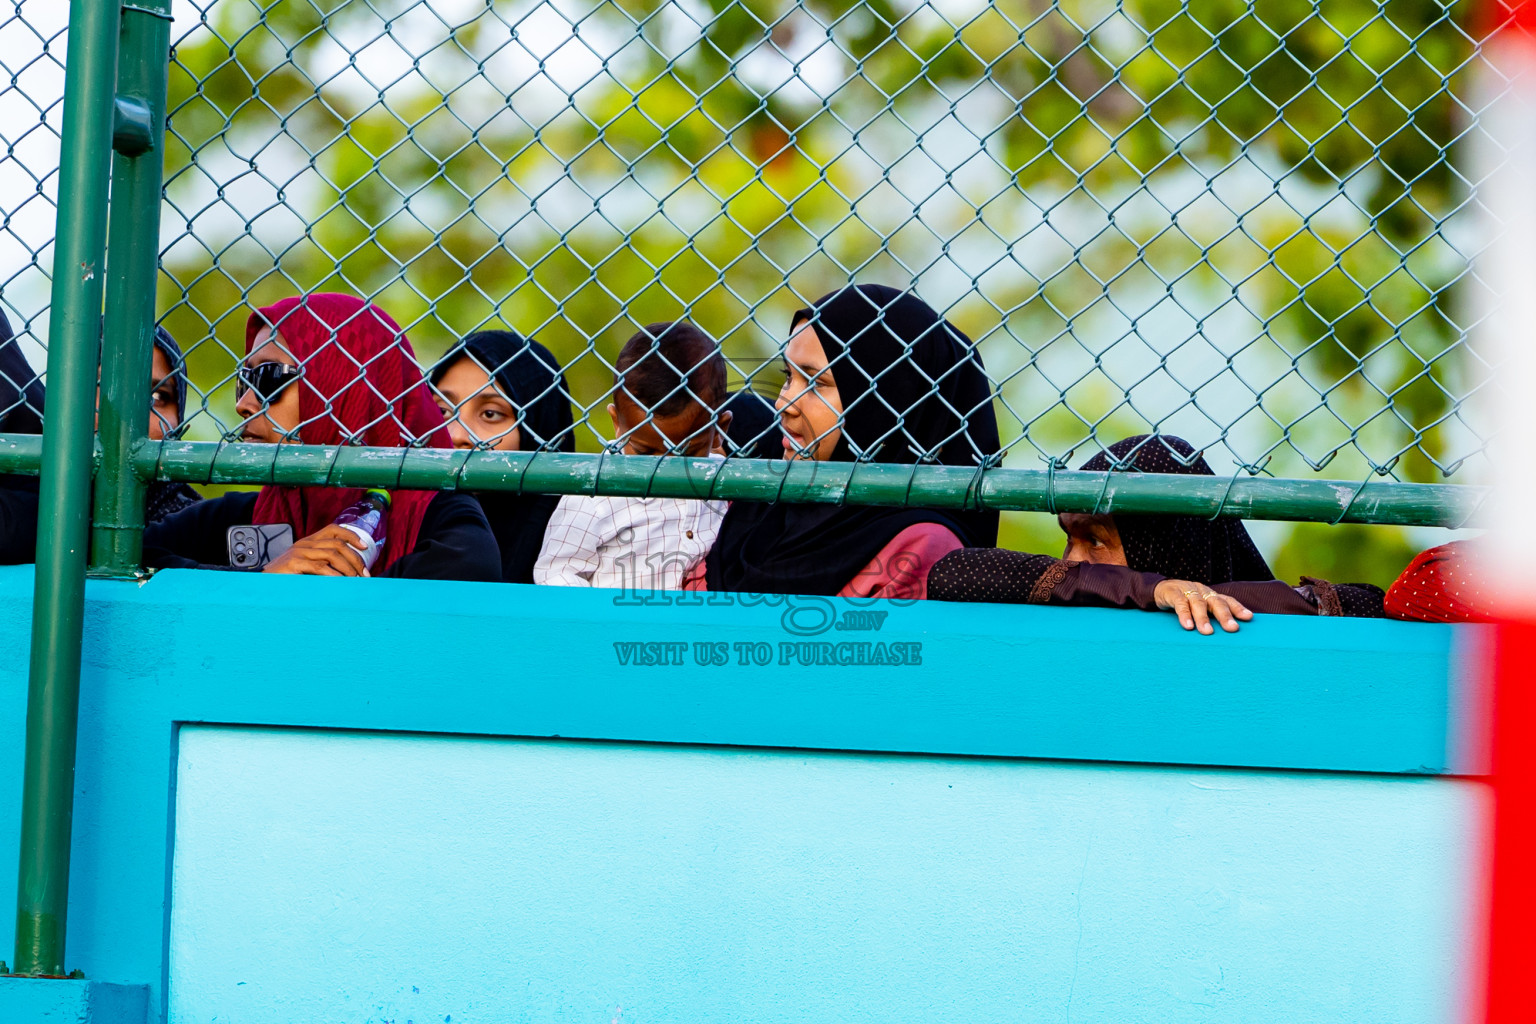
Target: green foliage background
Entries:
(1240, 223)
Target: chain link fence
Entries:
(31, 102)
(1248, 225)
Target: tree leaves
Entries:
(1101, 193)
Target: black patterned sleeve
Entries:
(1013, 577)
(1108, 586)
(1271, 597)
(1352, 600)
(1312, 597)
(994, 575)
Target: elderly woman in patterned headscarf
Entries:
(1179, 547)
(1199, 568)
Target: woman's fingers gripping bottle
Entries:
(366, 518)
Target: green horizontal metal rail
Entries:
(1008, 490)
(811, 482)
(21, 453)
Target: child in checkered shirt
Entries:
(670, 380)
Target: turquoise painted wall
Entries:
(324, 876)
(371, 786)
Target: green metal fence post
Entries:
(117, 529)
(53, 697)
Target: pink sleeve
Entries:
(900, 570)
(695, 578)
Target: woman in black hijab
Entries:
(753, 430)
(21, 412)
(1196, 567)
(506, 392)
(21, 408)
(873, 375)
(167, 413)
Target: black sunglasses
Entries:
(266, 379)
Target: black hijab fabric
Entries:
(21, 393)
(21, 408)
(1209, 551)
(167, 344)
(529, 375)
(754, 431)
(913, 390)
(21, 400)
(164, 497)
(21, 412)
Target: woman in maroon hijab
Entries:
(328, 369)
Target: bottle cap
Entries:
(382, 495)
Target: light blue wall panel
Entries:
(325, 876)
(1088, 685)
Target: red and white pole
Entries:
(1507, 338)
(1511, 893)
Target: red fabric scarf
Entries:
(1442, 584)
(361, 385)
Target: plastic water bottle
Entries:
(366, 519)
